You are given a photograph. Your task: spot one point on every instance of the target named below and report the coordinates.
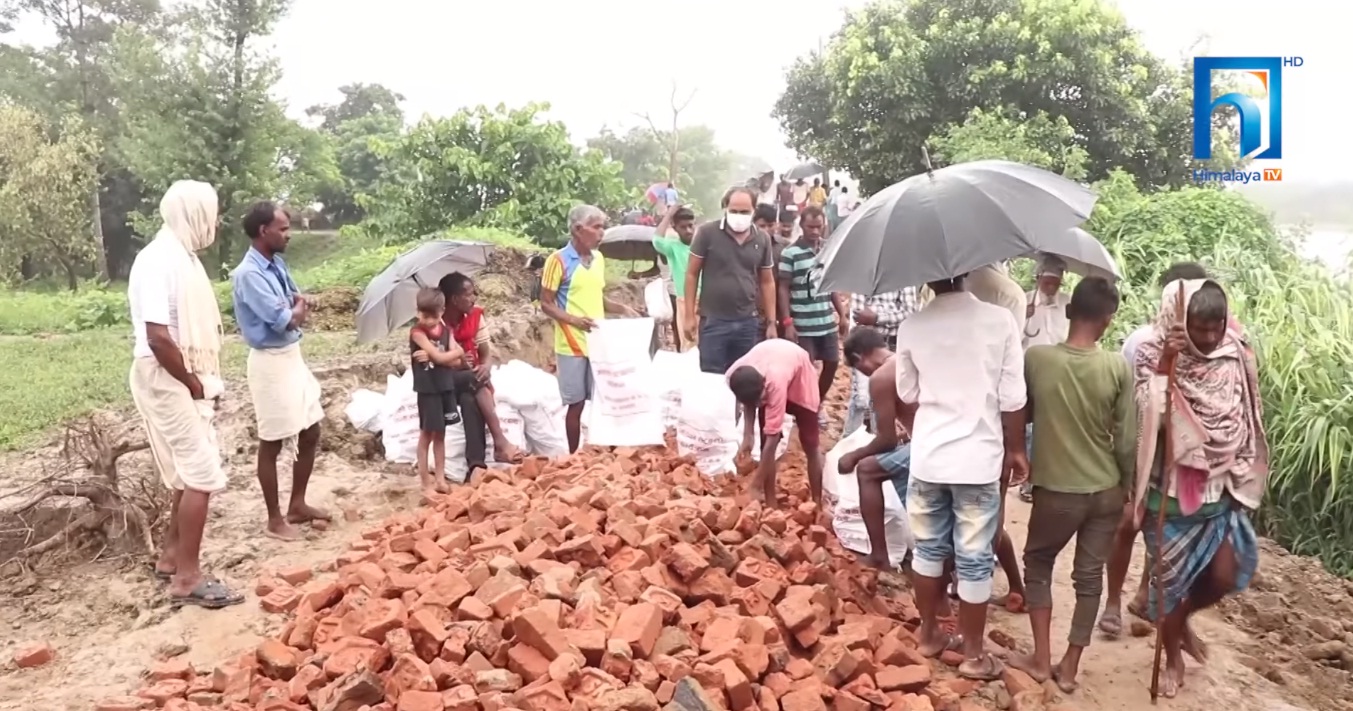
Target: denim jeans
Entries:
(959, 521)
(724, 340)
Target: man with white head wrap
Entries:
(175, 381)
(1047, 323)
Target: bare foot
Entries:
(1027, 664)
(1137, 608)
(1063, 677)
(282, 530)
(881, 564)
(1172, 679)
(1193, 645)
(430, 491)
(305, 513)
(1111, 622)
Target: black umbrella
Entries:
(629, 242)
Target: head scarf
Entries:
(1217, 417)
(189, 210)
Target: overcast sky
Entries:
(599, 62)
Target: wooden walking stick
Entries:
(1166, 475)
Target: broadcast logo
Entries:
(1260, 114)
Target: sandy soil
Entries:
(108, 619)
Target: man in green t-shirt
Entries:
(677, 252)
(1084, 452)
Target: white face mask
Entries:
(737, 222)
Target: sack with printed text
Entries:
(625, 409)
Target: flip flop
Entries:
(991, 671)
(1111, 623)
(952, 643)
(210, 593)
(160, 575)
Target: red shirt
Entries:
(466, 332)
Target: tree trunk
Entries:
(72, 276)
(96, 224)
(241, 36)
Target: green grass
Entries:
(319, 260)
(49, 380)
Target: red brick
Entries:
(276, 660)
(162, 691)
(911, 679)
(639, 625)
(296, 575)
(535, 628)
(1018, 682)
(421, 701)
(176, 668)
(524, 661)
(685, 561)
(803, 700)
(282, 599)
(409, 673)
(33, 655)
(124, 703)
(736, 685)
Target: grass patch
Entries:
(49, 380)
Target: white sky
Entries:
(598, 62)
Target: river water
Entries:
(1330, 246)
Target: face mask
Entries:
(738, 222)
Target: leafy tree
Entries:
(1033, 140)
(898, 74)
(198, 106)
(45, 184)
(367, 114)
(704, 170)
(507, 168)
(75, 74)
(359, 101)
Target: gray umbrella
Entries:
(940, 224)
(629, 242)
(388, 301)
(805, 170)
(1084, 255)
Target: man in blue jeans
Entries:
(960, 378)
(733, 265)
(887, 457)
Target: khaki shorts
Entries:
(182, 441)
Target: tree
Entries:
(367, 114)
(498, 167)
(78, 73)
(704, 169)
(899, 74)
(45, 184)
(198, 106)
(359, 101)
(1038, 140)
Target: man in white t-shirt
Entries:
(175, 381)
(845, 203)
(960, 377)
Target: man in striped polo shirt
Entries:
(814, 318)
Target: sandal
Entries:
(160, 575)
(1111, 623)
(210, 593)
(984, 668)
(952, 643)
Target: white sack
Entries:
(671, 370)
(841, 502)
(364, 410)
(658, 302)
(706, 429)
(626, 411)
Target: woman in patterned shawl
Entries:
(1218, 467)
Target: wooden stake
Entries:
(1166, 475)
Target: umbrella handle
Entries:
(925, 156)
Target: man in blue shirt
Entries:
(271, 311)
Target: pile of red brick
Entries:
(615, 581)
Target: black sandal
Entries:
(210, 593)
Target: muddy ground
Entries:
(1285, 644)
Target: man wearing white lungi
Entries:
(271, 311)
(175, 382)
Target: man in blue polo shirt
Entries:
(271, 311)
